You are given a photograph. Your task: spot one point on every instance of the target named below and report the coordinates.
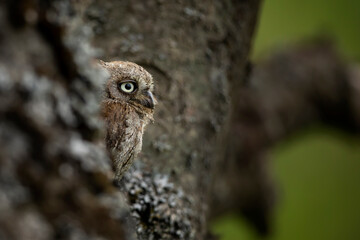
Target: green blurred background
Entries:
(317, 171)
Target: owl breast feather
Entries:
(124, 138)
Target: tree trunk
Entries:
(197, 51)
(203, 155)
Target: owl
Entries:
(127, 107)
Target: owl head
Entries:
(129, 84)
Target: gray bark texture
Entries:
(205, 154)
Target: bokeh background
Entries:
(317, 171)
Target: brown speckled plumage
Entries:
(126, 114)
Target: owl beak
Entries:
(150, 103)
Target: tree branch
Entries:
(287, 92)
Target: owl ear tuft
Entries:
(102, 63)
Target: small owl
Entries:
(127, 107)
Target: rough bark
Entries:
(53, 177)
(205, 153)
(50, 123)
(196, 51)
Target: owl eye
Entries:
(127, 87)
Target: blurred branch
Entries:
(290, 90)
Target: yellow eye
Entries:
(127, 87)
